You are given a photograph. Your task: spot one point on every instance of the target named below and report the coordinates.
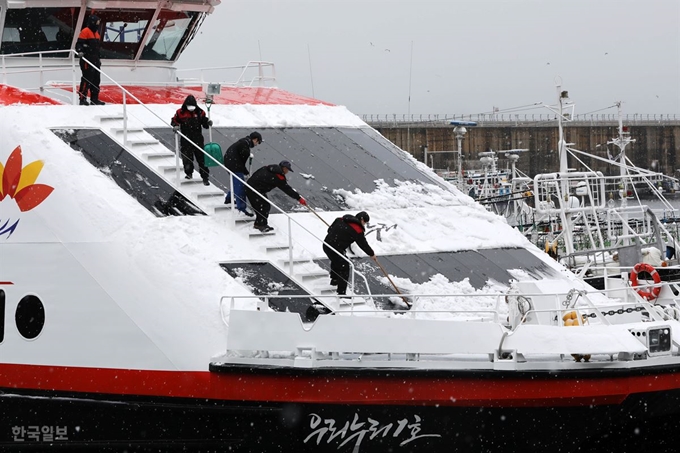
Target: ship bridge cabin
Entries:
(141, 40)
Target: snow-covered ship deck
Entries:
(141, 312)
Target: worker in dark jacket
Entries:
(87, 47)
(235, 159)
(342, 233)
(189, 119)
(264, 180)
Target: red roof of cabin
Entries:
(170, 95)
(10, 95)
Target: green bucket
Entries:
(214, 150)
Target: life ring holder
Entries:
(654, 292)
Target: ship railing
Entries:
(613, 270)
(45, 65)
(557, 186)
(264, 74)
(497, 310)
(652, 231)
(48, 62)
(290, 271)
(549, 188)
(253, 73)
(262, 304)
(467, 333)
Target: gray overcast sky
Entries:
(467, 56)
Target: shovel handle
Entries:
(316, 214)
(393, 285)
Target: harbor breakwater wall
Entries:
(656, 146)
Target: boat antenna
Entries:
(311, 76)
(408, 124)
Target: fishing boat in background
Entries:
(491, 185)
(600, 225)
(139, 312)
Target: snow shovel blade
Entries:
(406, 301)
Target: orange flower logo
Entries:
(19, 183)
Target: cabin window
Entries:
(170, 29)
(122, 32)
(39, 30)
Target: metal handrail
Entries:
(69, 52)
(218, 163)
(72, 53)
(589, 305)
(260, 65)
(55, 65)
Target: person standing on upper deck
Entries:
(87, 46)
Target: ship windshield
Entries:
(125, 30)
(169, 31)
(122, 32)
(39, 30)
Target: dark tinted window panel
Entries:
(455, 266)
(39, 29)
(413, 267)
(375, 168)
(265, 279)
(404, 169)
(460, 265)
(341, 164)
(283, 146)
(517, 259)
(395, 149)
(135, 178)
(318, 191)
(330, 158)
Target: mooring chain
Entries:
(568, 303)
(620, 311)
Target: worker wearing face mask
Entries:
(188, 120)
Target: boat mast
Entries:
(567, 222)
(621, 142)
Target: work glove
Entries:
(81, 54)
(210, 123)
(175, 128)
(303, 202)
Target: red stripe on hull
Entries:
(394, 390)
(6, 283)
